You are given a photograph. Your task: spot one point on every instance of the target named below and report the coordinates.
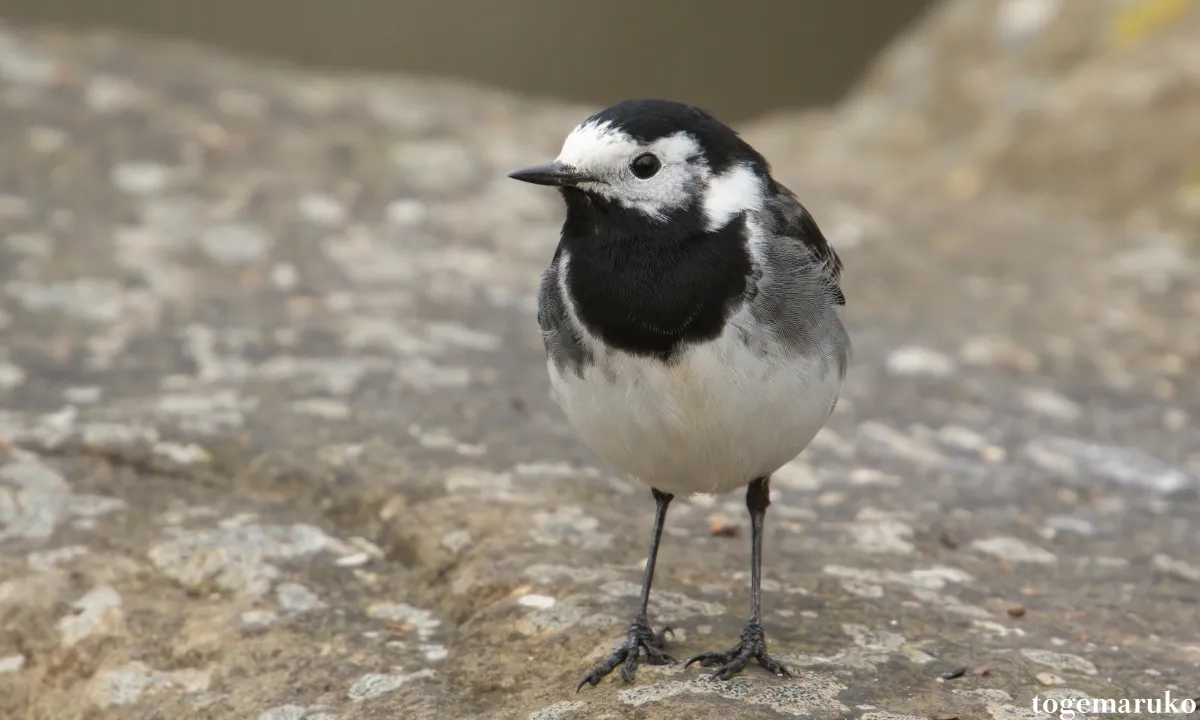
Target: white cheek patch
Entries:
(731, 193)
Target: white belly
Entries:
(720, 417)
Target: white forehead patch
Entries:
(731, 193)
(592, 144)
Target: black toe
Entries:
(751, 646)
(640, 639)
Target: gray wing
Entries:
(562, 339)
(801, 273)
(791, 222)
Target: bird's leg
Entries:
(640, 636)
(753, 644)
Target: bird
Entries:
(690, 320)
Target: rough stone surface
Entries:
(276, 439)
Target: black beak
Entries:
(552, 173)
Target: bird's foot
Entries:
(752, 646)
(639, 638)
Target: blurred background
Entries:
(276, 440)
(768, 55)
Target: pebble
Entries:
(10, 375)
(916, 360)
(321, 209)
(295, 598)
(373, 685)
(539, 602)
(1049, 679)
(285, 276)
(1060, 661)
(284, 712)
(993, 454)
(997, 350)
(141, 178)
(1051, 404)
(111, 94)
(901, 444)
(235, 243)
(406, 212)
(1014, 550)
(11, 664)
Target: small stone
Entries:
(558, 711)
(403, 614)
(125, 685)
(235, 244)
(1014, 550)
(48, 560)
(900, 444)
(141, 178)
(374, 684)
(915, 360)
(110, 94)
(988, 350)
(1051, 404)
(11, 664)
(961, 438)
(456, 540)
(325, 408)
(540, 602)
(295, 598)
(879, 534)
(1049, 679)
(1016, 611)
(1175, 419)
(99, 614)
(873, 477)
(1177, 568)
(284, 276)
(258, 618)
(321, 209)
(719, 527)
(1019, 19)
(284, 712)
(10, 375)
(796, 475)
(21, 66)
(189, 454)
(993, 454)
(353, 560)
(1060, 661)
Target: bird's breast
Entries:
(715, 417)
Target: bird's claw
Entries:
(752, 645)
(640, 638)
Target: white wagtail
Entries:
(690, 323)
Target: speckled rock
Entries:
(275, 438)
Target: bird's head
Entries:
(660, 159)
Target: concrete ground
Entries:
(277, 444)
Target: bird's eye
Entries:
(645, 165)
